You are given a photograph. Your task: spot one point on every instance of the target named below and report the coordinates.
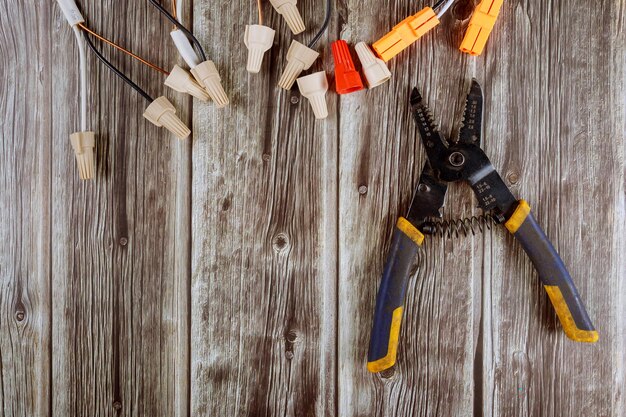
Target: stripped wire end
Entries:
(206, 74)
(181, 80)
(289, 10)
(162, 113)
(83, 144)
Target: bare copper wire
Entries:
(258, 5)
(126, 51)
(174, 14)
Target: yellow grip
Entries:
(394, 334)
(565, 317)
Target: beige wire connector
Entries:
(182, 81)
(314, 88)
(206, 74)
(299, 58)
(289, 10)
(83, 144)
(162, 113)
(374, 69)
(258, 39)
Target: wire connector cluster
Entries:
(84, 144)
(206, 74)
(405, 33)
(162, 113)
(314, 87)
(374, 69)
(347, 79)
(299, 58)
(480, 26)
(258, 39)
(181, 80)
(289, 10)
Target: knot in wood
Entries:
(20, 315)
(512, 178)
(124, 241)
(280, 243)
(462, 10)
(363, 189)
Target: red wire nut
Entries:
(347, 79)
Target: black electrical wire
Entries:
(319, 34)
(182, 28)
(439, 3)
(115, 70)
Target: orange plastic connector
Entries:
(480, 26)
(405, 33)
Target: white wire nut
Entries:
(71, 12)
(182, 81)
(206, 74)
(374, 69)
(289, 10)
(162, 113)
(299, 58)
(83, 144)
(314, 88)
(258, 39)
(184, 47)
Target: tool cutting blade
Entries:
(435, 145)
(429, 197)
(471, 132)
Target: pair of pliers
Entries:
(464, 160)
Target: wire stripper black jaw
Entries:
(462, 159)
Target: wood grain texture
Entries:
(234, 274)
(25, 201)
(264, 232)
(120, 244)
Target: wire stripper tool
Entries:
(464, 160)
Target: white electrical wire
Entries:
(83, 78)
(179, 11)
(444, 8)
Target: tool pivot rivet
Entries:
(456, 159)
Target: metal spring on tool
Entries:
(457, 227)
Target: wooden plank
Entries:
(557, 86)
(381, 158)
(120, 243)
(264, 232)
(25, 98)
(479, 335)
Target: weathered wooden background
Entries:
(234, 274)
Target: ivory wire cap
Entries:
(181, 81)
(289, 10)
(258, 39)
(83, 144)
(207, 75)
(374, 69)
(162, 113)
(314, 88)
(299, 58)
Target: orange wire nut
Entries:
(480, 26)
(347, 79)
(405, 33)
